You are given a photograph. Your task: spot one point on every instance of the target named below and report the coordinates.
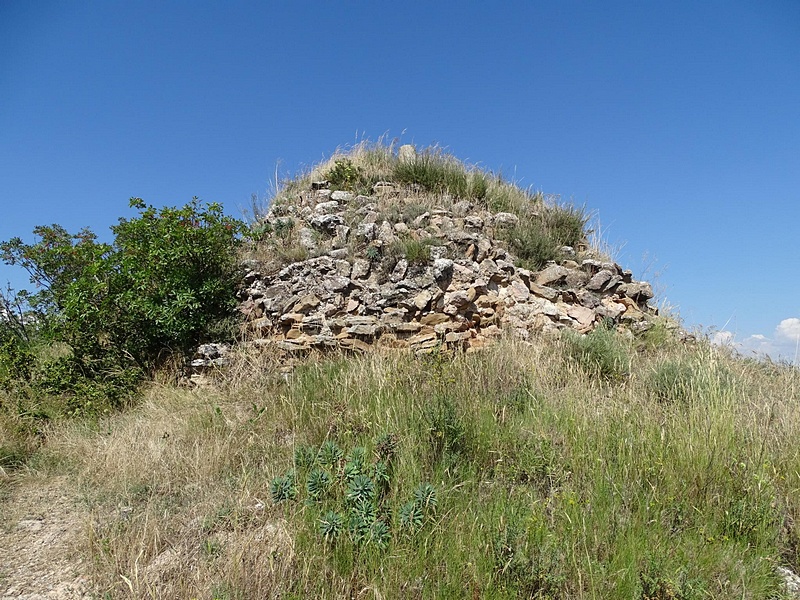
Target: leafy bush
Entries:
(178, 271)
(163, 286)
(346, 175)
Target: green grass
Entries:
(594, 466)
(433, 180)
(588, 469)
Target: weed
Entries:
(565, 225)
(531, 244)
(318, 484)
(447, 433)
(283, 488)
(329, 453)
(345, 175)
(532, 567)
(673, 381)
(416, 252)
(331, 526)
(657, 585)
(435, 172)
(600, 353)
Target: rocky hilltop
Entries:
(403, 263)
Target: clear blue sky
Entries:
(677, 122)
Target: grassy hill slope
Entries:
(599, 466)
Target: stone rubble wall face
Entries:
(465, 295)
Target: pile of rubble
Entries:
(461, 288)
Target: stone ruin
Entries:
(464, 291)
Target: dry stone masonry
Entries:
(459, 287)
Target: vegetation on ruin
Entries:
(608, 465)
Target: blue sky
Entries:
(678, 123)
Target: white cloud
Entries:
(723, 338)
(789, 329)
(784, 345)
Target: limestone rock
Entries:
(442, 268)
(407, 153)
(360, 269)
(640, 291)
(326, 208)
(469, 291)
(341, 196)
(306, 303)
(327, 223)
(504, 219)
(552, 275)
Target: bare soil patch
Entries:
(41, 529)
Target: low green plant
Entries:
(673, 381)
(331, 526)
(416, 252)
(354, 493)
(318, 484)
(372, 253)
(601, 353)
(283, 488)
(329, 453)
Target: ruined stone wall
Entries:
(465, 289)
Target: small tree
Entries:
(175, 276)
(163, 286)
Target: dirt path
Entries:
(41, 527)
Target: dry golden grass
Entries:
(695, 487)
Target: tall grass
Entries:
(550, 481)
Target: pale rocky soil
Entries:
(42, 525)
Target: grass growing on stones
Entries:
(515, 472)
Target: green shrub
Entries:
(673, 381)
(345, 175)
(600, 353)
(163, 286)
